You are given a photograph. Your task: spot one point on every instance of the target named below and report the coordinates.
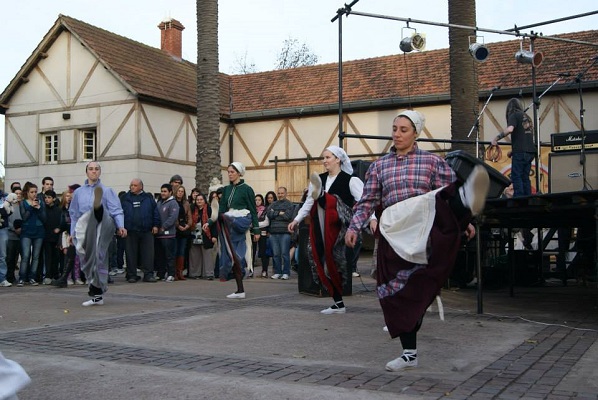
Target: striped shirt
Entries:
(394, 178)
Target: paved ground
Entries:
(185, 340)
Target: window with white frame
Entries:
(50, 146)
(88, 140)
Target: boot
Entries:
(179, 267)
(61, 282)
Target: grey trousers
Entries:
(93, 239)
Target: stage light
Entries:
(479, 52)
(529, 57)
(416, 42)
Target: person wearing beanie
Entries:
(175, 181)
(237, 220)
(418, 196)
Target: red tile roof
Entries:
(156, 76)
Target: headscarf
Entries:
(239, 167)
(342, 155)
(416, 118)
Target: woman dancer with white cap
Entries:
(425, 212)
(330, 200)
(237, 215)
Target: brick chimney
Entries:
(172, 37)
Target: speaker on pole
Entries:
(566, 171)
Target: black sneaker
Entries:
(59, 283)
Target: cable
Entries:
(408, 86)
(526, 320)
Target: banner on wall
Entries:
(504, 167)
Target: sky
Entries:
(256, 29)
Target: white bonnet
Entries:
(416, 117)
(239, 167)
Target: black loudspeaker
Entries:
(566, 173)
(463, 163)
(360, 167)
(305, 279)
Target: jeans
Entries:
(51, 257)
(3, 246)
(281, 248)
(164, 256)
(181, 245)
(13, 249)
(28, 271)
(521, 166)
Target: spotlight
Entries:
(529, 57)
(479, 52)
(416, 42)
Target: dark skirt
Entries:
(405, 289)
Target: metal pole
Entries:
(536, 103)
(478, 249)
(474, 28)
(340, 82)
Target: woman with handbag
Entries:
(201, 257)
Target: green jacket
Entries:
(240, 196)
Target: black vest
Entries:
(340, 187)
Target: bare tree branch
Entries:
(294, 54)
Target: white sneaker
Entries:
(79, 282)
(112, 272)
(473, 283)
(47, 281)
(407, 360)
(355, 274)
(475, 190)
(95, 301)
(5, 283)
(334, 310)
(385, 329)
(120, 271)
(236, 296)
(275, 276)
(170, 279)
(285, 277)
(70, 282)
(316, 184)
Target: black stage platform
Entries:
(555, 210)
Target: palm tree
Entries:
(463, 73)
(207, 165)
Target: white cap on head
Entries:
(239, 167)
(416, 118)
(342, 155)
